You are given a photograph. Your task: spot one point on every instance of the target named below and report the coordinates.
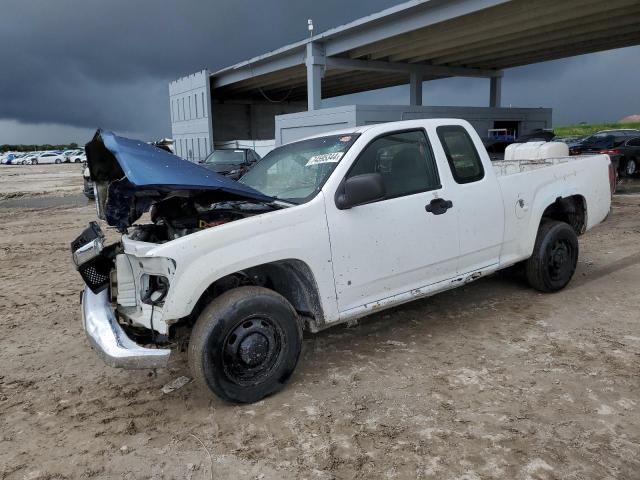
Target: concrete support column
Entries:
(495, 92)
(315, 62)
(415, 89)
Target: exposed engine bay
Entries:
(176, 217)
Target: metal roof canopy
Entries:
(425, 40)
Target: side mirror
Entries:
(358, 190)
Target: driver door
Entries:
(394, 245)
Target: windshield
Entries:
(226, 157)
(296, 172)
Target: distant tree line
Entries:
(31, 148)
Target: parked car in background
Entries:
(22, 158)
(75, 155)
(49, 157)
(589, 143)
(629, 156)
(571, 140)
(79, 157)
(232, 163)
(30, 158)
(608, 142)
(601, 144)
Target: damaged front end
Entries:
(130, 176)
(126, 284)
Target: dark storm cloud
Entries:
(89, 63)
(107, 63)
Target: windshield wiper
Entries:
(278, 201)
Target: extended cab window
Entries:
(403, 159)
(462, 155)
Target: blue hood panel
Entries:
(130, 175)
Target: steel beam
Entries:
(464, 33)
(315, 62)
(425, 70)
(257, 67)
(405, 18)
(550, 42)
(495, 92)
(528, 37)
(569, 51)
(415, 88)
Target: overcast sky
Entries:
(70, 66)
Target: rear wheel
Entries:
(554, 258)
(630, 167)
(245, 344)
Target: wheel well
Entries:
(571, 210)
(290, 278)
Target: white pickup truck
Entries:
(319, 232)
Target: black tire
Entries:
(245, 344)
(554, 258)
(34, 161)
(630, 167)
(58, 161)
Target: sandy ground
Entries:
(492, 380)
(19, 181)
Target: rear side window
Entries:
(461, 153)
(403, 159)
(634, 143)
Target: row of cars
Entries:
(622, 146)
(77, 155)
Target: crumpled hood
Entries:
(131, 175)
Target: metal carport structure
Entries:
(430, 39)
(416, 41)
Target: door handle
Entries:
(438, 206)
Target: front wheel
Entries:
(34, 161)
(245, 344)
(58, 161)
(554, 258)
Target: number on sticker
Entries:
(325, 158)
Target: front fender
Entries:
(201, 258)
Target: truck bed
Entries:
(528, 186)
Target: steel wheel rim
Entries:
(560, 260)
(631, 167)
(252, 350)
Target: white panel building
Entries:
(190, 104)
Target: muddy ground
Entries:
(492, 380)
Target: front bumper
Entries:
(110, 341)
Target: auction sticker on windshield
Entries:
(325, 158)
